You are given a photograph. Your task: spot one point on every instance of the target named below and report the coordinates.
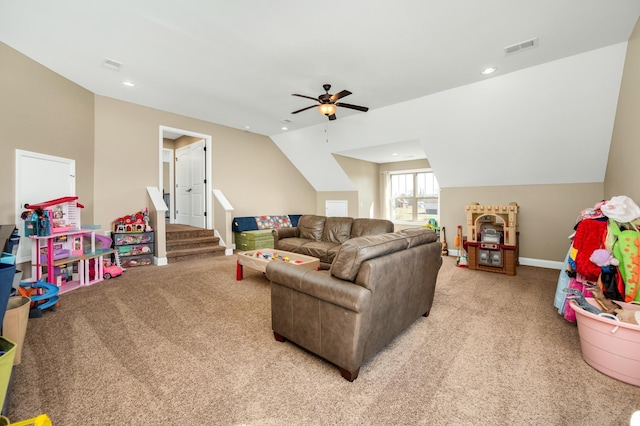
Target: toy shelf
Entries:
(89, 262)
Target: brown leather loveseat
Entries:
(378, 285)
(321, 236)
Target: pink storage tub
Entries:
(611, 347)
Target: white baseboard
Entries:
(228, 252)
(160, 261)
(526, 261)
(541, 263)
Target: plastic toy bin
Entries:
(8, 349)
(7, 274)
(611, 347)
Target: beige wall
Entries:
(623, 172)
(42, 112)
(350, 196)
(546, 214)
(405, 165)
(364, 176)
(116, 148)
(249, 169)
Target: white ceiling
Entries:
(237, 63)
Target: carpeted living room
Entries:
(408, 116)
(188, 344)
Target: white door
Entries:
(40, 177)
(190, 185)
(336, 208)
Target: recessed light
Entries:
(247, 127)
(489, 70)
(284, 128)
(129, 83)
(395, 153)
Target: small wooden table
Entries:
(259, 259)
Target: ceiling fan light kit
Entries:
(327, 109)
(328, 102)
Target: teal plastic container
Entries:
(7, 274)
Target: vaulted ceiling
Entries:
(416, 65)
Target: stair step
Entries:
(173, 245)
(186, 242)
(194, 253)
(181, 235)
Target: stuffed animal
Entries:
(611, 307)
(603, 258)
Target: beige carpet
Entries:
(186, 344)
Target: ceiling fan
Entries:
(328, 102)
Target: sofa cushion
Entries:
(292, 244)
(337, 229)
(319, 249)
(356, 250)
(311, 227)
(333, 252)
(365, 226)
(417, 236)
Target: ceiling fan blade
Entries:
(304, 109)
(339, 95)
(332, 117)
(304, 96)
(358, 107)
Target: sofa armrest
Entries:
(280, 233)
(321, 285)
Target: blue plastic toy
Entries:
(48, 299)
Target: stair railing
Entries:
(157, 209)
(222, 219)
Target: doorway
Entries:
(170, 139)
(190, 180)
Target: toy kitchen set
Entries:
(492, 238)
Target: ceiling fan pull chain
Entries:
(326, 131)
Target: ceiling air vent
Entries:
(111, 64)
(519, 47)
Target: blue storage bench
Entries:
(254, 232)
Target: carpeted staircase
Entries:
(186, 242)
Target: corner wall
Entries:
(249, 169)
(41, 111)
(623, 173)
(546, 216)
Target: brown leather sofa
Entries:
(377, 286)
(321, 236)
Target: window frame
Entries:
(414, 199)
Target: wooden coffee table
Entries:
(259, 259)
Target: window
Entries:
(414, 196)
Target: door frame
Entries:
(168, 157)
(208, 164)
